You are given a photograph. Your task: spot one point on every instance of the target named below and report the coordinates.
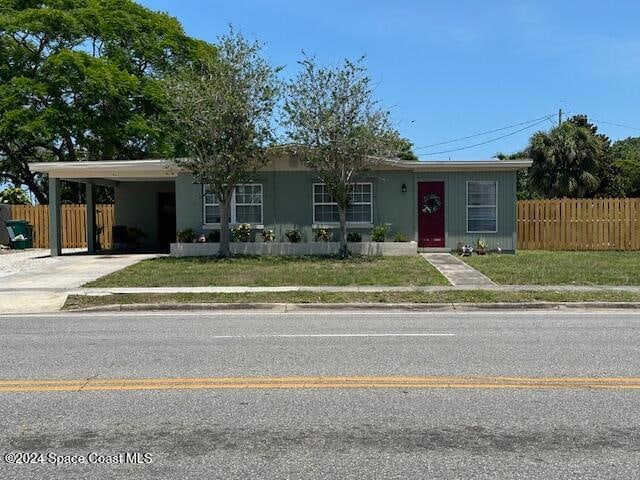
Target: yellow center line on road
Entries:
(322, 382)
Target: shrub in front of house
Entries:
(214, 237)
(268, 236)
(293, 235)
(401, 237)
(323, 235)
(241, 233)
(379, 232)
(186, 236)
(354, 237)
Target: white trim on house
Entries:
(109, 169)
(234, 204)
(495, 182)
(166, 168)
(319, 224)
(457, 165)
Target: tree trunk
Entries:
(41, 197)
(225, 234)
(344, 248)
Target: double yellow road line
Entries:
(321, 382)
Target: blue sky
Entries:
(452, 69)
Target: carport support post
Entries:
(55, 225)
(91, 216)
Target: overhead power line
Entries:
(485, 133)
(544, 119)
(616, 124)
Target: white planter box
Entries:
(283, 248)
(384, 248)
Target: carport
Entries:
(144, 196)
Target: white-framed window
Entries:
(482, 206)
(246, 205)
(360, 209)
(211, 207)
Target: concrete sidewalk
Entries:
(356, 289)
(50, 299)
(320, 288)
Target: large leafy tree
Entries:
(224, 113)
(403, 149)
(626, 155)
(338, 129)
(79, 80)
(14, 196)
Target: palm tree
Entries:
(565, 161)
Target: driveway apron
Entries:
(41, 286)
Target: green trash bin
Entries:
(20, 227)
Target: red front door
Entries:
(431, 214)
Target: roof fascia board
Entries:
(165, 168)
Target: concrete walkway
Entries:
(44, 285)
(457, 271)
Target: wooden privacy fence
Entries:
(73, 220)
(579, 224)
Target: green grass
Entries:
(476, 296)
(560, 268)
(274, 271)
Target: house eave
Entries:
(109, 169)
(459, 166)
(167, 169)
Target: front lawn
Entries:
(274, 271)
(459, 296)
(560, 268)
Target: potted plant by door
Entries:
(481, 246)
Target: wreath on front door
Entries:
(431, 203)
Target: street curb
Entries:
(301, 307)
(139, 307)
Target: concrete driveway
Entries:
(33, 281)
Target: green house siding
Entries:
(188, 203)
(391, 205)
(288, 203)
(455, 184)
(136, 205)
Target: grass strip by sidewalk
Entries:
(274, 271)
(560, 268)
(463, 296)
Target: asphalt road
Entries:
(326, 432)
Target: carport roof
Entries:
(119, 170)
(122, 170)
